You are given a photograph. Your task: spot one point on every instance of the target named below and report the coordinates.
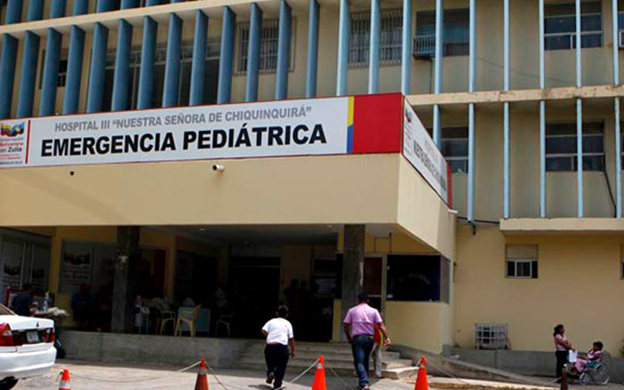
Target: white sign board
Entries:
(268, 129)
(422, 153)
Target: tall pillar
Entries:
(437, 81)
(198, 74)
(148, 55)
(375, 38)
(283, 52)
(7, 74)
(122, 67)
(14, 11)
(616, 112)
(472, 84)
(35, 10)
(406, 55)
(312, 61)
(57, 9)
(343, 49)
(253, 53)
(47, 101)
(124, 287)
(30, 58)
(226, 62)
(98, 63)
(81, 7)
(74, 70)
(352, 267)
(172, 66)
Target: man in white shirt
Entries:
(279, 336)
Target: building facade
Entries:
(528, 122)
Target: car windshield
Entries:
(4, 311)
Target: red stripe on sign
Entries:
(28, 142)
(377, 123)
(449, 185)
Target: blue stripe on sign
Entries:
(350, 139)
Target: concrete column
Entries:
(312, 61)
(148, 55)
(352, 267)
(7, 74)
(50, 73)
(283, 52)
(343, 49)
(81, 7)
(406, 55)
(253, 53)
(30, 57)
(375, 38)
(14, 11)
(124, 280)
(122, 67)
(172, 65)
(35, 10)
(226, 61)
(57, 9)
(198, 74)
(95, 99)
(74, 70)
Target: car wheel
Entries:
(8, 384)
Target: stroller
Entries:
(596, 372)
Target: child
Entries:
(377, 349)
(593, 356)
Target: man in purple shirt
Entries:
(360, 325)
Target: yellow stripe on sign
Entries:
(351, 111)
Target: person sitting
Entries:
(593, 356)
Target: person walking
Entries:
(562, 347)
(360, 325)
(377, 351)
(280, 343)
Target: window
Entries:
(390, 43)
(269, 40)
(560, 26)
(455, 148)
(186, 58)
(490, 336)
(561, 147)
(521, 261)
(419, 278)
(456, 33)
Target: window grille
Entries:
(560, 26)
(390, 43)
(491, 336)
(456, 33)
(269, 43)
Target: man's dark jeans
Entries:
(362, 347)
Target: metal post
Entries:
(49, 83)
(74, 70)
(227, 54)
(57, 9)
(313, 33)
(616, 81)
(283, 52)
(253, 53)
(542, 85)
(30, 58)
(506, 135)
(579, 112)
(96, 78)
(148, 57)
(172, 66)
(472, 66)
(375, 37)
(122, 67)
(437, 82)
(7, 74)
(198, 74)
(406, 55)
(343, 49)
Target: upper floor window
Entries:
(455, 148)
(456, 33)
(390, 43)
(521, 261)
(269, 41)
(62, 72)
(561, 147)
(560, 26)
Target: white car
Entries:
(26, 347)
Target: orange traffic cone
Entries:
(422, 383)
(202, 376)
(319, 376)
(64, 385)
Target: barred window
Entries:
(560, 26)
(456, 33)
(561, 152)
(521, 261)
(390, 43)
(269, 42)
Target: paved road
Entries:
(92, 376)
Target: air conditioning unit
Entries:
(621, 39)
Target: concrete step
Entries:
(400, 373)
(313, 355)
(247, 362)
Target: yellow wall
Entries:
(423, 325)
(579, 285)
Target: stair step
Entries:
(304, 363)
(400, 373)
(312, 355)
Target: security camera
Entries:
(218, 168)
(454, 212)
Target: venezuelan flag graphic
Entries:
(12, 131)
(350, 125)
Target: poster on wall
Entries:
(266, 129)
(424, 155)
(76, 267)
